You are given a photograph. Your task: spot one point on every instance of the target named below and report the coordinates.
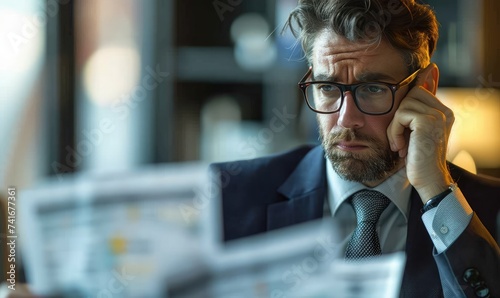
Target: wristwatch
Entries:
(434, 201)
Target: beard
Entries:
(360, 167)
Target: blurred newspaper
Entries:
(156, 232)
(115, 235)
(299, 261)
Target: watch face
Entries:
(434, 201)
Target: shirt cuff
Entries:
(448, 220)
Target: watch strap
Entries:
(434, 201)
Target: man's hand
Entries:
(419, 131)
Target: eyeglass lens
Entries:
(370, 98)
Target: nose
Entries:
(349, 115)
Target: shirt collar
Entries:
(397, 188)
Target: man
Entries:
(373, 88)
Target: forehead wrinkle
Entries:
(363, 76)
(339, 64)
(343, 51)
(337, 55)
(339, 60)
(332, 48)
(345, 68)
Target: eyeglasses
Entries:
(372, 98)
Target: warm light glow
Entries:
(477, 123)
(465, 161)
(111, 73)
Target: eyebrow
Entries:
(364, 77)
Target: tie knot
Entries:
(369, 205)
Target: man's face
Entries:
(357, 143)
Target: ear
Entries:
(429, 78)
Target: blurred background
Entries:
(112, 85)
(109, 86)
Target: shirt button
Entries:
(443, 230)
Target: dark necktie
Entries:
(368, 205)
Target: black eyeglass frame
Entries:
(352, 88)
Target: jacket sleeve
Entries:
(470, 267)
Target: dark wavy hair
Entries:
(410, 27)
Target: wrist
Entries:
(434, 188)
(434, 201)
(430, 192)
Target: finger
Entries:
(418, 107)
(396, 131)
(408, 120)
(426, 87)
(424, 103)
(422, 95)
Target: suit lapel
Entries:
(304, 193)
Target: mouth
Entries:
(351, 146)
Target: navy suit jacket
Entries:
(277, 191)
